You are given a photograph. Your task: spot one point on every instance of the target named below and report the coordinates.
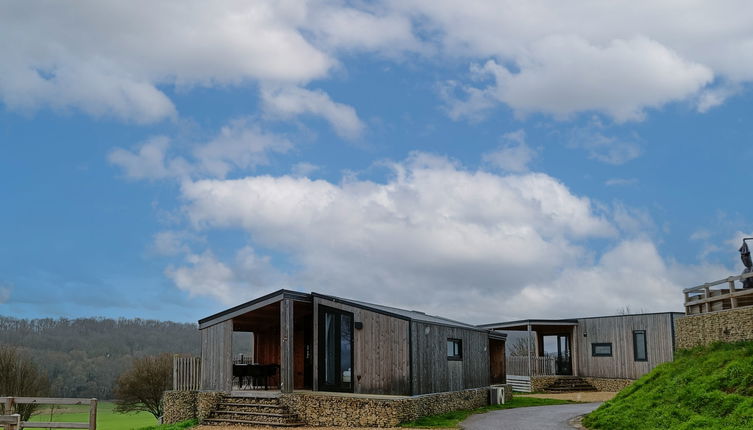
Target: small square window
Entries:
(454, 349)
(601, 349)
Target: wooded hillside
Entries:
(83, 357)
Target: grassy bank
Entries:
(704, 388)
(452, 419)
(107, 419)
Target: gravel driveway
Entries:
(532, 418)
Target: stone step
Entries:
(255, 414)
(237, 422)
(251, 407)
(274, 401)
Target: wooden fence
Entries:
(13, 422)
(540, 366)
(718, 295)
(186, 373)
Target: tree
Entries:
(520, 346)
(19, 376)
(140, 388)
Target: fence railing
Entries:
(13, 422)
(718, 295)
(186, 373)
(540, 366)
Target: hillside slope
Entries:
(704, 388)
(83, 357)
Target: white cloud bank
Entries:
(468, 244)
(619, 58)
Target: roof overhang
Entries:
(524, 324)
(259, 303)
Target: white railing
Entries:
(718, 295)
(540, 366)
(186, 373)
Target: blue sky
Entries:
(480, 160)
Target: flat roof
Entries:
(523, 324)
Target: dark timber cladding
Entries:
(434, 373)
(381, 352)
(216, 364)
(618, 330)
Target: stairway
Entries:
(251, 411)
(569, 384)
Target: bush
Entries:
(19, 376)
(141, 387)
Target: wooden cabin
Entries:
(615, 347)
(324, 343)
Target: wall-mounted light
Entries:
(358, 325)
(585, 334)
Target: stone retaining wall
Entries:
(180, 406)
(607, 384)
(323, 409)
(732, 325)
(540, 383)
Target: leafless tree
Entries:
(141, 387)
(19, 376)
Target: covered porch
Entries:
(263, 345)
(548, 348)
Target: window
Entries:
(454, 349)
(640, 352)
(601, 349)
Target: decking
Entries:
(718, 295)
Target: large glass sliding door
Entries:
(335, 349)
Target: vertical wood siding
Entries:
(434, 373)
(618, 331)
(381, 351)
(216, 356)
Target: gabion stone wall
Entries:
(608, 384)
(732, 325)
(540, 383)
(180, 406)
(321, 409)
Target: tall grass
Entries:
(703, 388)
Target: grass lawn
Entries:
(703, 388)
(452, 419)
(107, 419)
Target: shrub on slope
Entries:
(703, 388)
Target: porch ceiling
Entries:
(536, 325)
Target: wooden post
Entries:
(93, 414)
(8, 405)
(286, 346)
(733, 299)
(707, 295)
(530, 374)
(175, 371)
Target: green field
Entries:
(107, 419)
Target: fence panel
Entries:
(186, 373)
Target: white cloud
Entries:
(110, 59)
(303, 169)
(5, 292)
(147, 162)
(248, 276)
(617, 57)
(514, 154)
(564, 75)
(239, 145)
(431, 229)
(289, 101)
(603, 148)
(613, 182)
